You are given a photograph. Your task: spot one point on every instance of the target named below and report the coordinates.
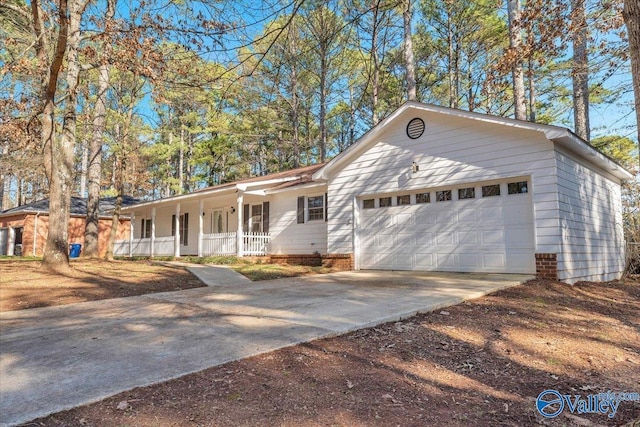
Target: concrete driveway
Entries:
(57, 358)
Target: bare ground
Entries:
(25, 284)
(480, 363)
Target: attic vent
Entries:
(415, 128)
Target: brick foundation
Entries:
(338, 261)
(547, 266)
(313, 260)
(342, 262)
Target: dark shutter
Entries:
(245, 217)
(265, 217)
(173, 225)
(142, 236)
(185, 229)
(326, 207)
(301, 210)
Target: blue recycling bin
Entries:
(74, 250)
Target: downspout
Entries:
(35, 233)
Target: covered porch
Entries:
(230, 221)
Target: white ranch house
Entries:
(428, 188)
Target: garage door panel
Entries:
(493, 261)
(424, 242)
(467, 216)
(385, 240)
(492, 237)
(468, 237)
(424, 261)
(445, 218)
(386, 221)
(404, 220)
(469, 260)
(446, 238)
(446, 260)
(492, 215)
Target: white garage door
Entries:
(480, 234)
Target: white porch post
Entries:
(132, 221)
(153, 231)
(240, 248)
(200, 226)
(176, 241)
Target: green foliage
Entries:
(621, 149)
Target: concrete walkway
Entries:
(57, 358)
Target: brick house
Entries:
(24, 229)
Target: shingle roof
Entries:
(304, 174)
(78, 206)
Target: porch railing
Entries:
(219, 244)
(254, 244)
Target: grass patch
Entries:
(19, 258)
(258, 272)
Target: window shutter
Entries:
(265, 217)
(301, 210)
(245, 217)
(173, 225)
(142, 236)
(185, 228)
(326, 207)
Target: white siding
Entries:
(451, 152)
(591, 222)
(287, 236)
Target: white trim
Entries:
(153, 231)
(307, 186)
(240, 240)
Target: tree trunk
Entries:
(515, 42)
(56, 254)
(408, 52)
(580, 75)
(181, 160)
(91, 248)
(631, 14)
(532, 92)
(323, 108)
(115, 219)
(375, 86)
(295, 104)
(83, 169)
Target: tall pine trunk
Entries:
(408, 52)
(56, 253)
(91, 248)
(515, 43)
(580, 74)
(631, 15)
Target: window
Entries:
(184, 228)
(490, 190)
(404, 200)
(256, 218)
(145, 230)
(466, 193)
(369, 203)
(385, 202)
(518, 187)
(423, 198)
(315, 204)
(443, 196)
